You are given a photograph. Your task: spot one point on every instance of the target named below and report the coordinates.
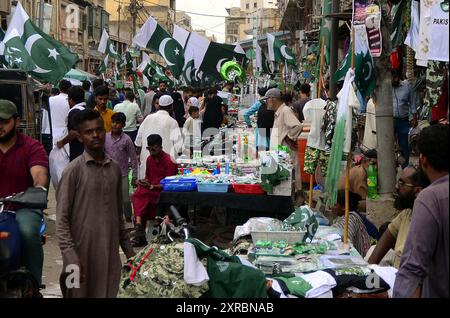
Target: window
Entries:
(247, 6)
(255, 5)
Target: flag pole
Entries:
(319, 92)
(349, 160)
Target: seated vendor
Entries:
(357, 232)
(159, 166)
(358, 181)
(408, 188)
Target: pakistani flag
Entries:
(364, 66)
(278, 52)
(325, 30)
(345, 65)
(397, 23)
(30, 49)
(341, 138)
(2, 57)
(153, 37)
(107, 47)
(104, 65)
(217, 54)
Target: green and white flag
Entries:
(218, 54)
(104, 65)
(341, 139)
(32, 50)
(153, 37)
(279, 52)
(2, 56)
(364, 66)
(107, 47)
(345, 66)
(397, 12)
(153, 71)
(325, 30)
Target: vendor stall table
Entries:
(270, 205)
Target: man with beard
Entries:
(23, 164)
(408, 187)
(424, 267)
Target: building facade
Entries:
(235, 25)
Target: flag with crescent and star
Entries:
(107, 47)
(153, 37)
(104, 65)
(153, 71)
(27, 47)
(364, 66)
(218, 54)
(279, 52)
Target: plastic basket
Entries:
(290, 237)
(213, 187)
(248, 188)
(179, 185)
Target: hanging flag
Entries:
(180, 35)
(278, 52)
(364, 66)
(153, 37)
(103, 65)
(153, 71)
(345, 66)
(325, 29)
(397, 24)
(341, 139)
(32, 50)
(217, 54)
(2, 56)
(107, 47)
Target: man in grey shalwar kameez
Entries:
(89, 219)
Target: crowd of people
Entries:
(108, 132)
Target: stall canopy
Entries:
(80, 75)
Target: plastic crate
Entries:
(290, 237)
(248, 188)
(179, 185)
(213, 187)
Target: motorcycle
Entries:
(16, 282)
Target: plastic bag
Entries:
(58, 160)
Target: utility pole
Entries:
(334, 48)
(133, 12)
(119, 9)
(41, 14)
(384, 114)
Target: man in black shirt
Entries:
(305, 92)
(77, 104)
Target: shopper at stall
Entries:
(89, 221)
(408, 188)
(286, 129)
(265, 120)
(424, 266)
(405, 112)
(163, 124)
(159, 166)
(213, 116)
(120, 148)
(305, 93)
(357, 232)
